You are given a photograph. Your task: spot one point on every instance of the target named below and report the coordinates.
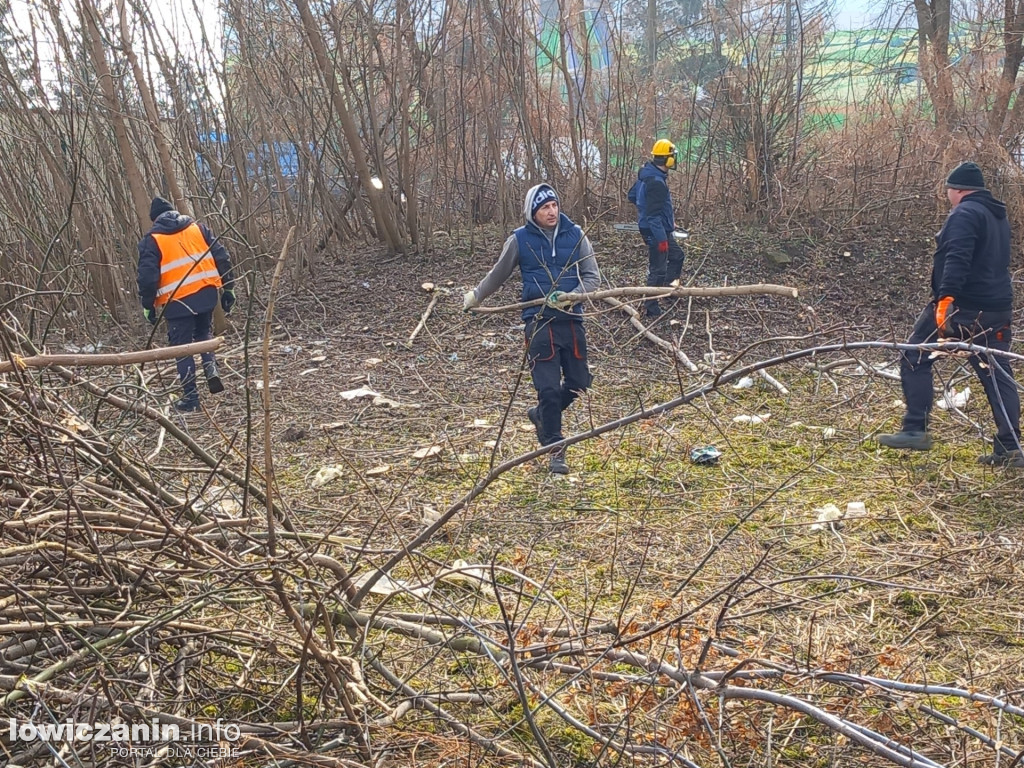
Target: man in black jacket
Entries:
(972, 300)
(182, 266)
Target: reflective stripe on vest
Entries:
(186, 265)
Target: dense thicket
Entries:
(391, 120)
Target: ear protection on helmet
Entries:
(664, 153)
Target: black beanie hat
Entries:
(158, 206)
(966, 176)
(543, 195)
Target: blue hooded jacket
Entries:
(548, 259)
(654, 202)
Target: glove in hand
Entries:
(558, 301)
(227, 301)
(151, 316)
(663, 246)
(944, 311)
(469, 301)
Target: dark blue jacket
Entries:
(149, 268)
(547, 266)
(654, 202)
(972, 256)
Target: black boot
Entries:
(556, 464)
(212, 378)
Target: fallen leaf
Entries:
(383, 469)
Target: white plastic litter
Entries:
(954, 400)
(352, 394)
(826, 515)
(474, 576)
(324, 475)
(385, 585)
(744, 418)
(745, 383)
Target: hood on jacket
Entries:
(983, 197)
(537, 196)
(169, 222)
(651, 171)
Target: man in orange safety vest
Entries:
(182, 266)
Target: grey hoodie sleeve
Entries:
(589, 274)
(500, 272)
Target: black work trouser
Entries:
(557, 355)
(185, 330)
(988, 329)
(662, 268)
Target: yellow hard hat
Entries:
(664, 151)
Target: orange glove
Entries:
(663, 247)
(944, 310)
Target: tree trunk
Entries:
(94, 44)
(933, 54)
(1013, 51)
(383, 211)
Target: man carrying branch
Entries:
(554, 258)
(181, 268)
(972, 300)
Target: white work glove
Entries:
(469, 301)
(557, 300)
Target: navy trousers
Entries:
(185, 330)
(989, 329)
(662, 268)
(557, 354)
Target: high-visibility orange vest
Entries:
(186, 265)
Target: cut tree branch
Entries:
(112, 358)
(647, 292)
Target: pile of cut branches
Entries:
(169, 609)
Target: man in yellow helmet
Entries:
(656, 219)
